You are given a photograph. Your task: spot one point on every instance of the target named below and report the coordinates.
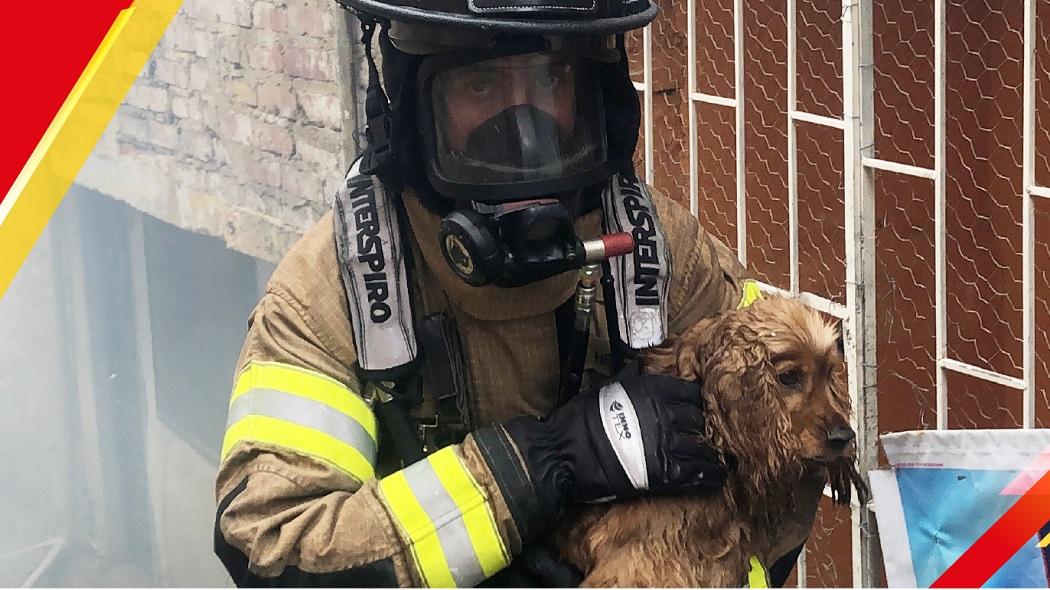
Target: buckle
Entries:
(427, 432)
(377, 144)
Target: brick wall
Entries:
(240, 124)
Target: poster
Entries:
(944, 490)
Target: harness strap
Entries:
(641, 276)
(377, 155)
(372, 258)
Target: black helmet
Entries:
(543, 17)
(422, 40)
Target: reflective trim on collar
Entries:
(750, 293)
(757, 577)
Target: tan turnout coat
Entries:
(293, 511)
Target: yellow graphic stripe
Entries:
(306, 384)
(422, 534)
(76, 128)
(751, 293)
(756, 574)
(476, 513)
(302, 440)
(1045, 542)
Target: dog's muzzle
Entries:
(840, 437)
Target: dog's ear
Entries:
(682, 356)
(744, 408)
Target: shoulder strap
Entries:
(640, 277)
(375, 261)
(371, 256)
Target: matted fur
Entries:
(777, 434)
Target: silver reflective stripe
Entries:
(305, 412)
(448, 522)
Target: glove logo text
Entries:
(619, 420)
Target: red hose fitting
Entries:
(607, 246)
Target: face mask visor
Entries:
(513, 127)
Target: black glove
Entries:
(636, 436)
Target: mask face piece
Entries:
(523, 134)
(512, 127)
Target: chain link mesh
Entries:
(765, 142)
(903, 52)
(983, 224)
(1042, 93)
(904, 270)
(904, 81)
(1042, 215)
(1042, 313)
(715, 124)
(819, 57)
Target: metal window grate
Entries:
(884, 162)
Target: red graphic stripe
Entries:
(1017, 526)
(45, 47)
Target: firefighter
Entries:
(396, 417)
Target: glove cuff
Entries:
(534, 495)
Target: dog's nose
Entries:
(840, 436)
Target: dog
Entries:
(777, 409)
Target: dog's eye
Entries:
(790, 378)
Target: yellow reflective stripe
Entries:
(447, 520)
(306, 384)
(751, 293)
(756, 574)
(422, 534)
(1045, 542)
(300, 439)
(474, 506)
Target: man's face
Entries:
(475, 93)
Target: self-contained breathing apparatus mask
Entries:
(510, 132)
(512, 139)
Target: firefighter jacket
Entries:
(305, 496)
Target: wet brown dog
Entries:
(771, 376)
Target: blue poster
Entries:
(944, 489)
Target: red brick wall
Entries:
(239, 125)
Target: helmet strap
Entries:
(377, 156)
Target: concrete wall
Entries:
(37, 415)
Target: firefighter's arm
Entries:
(707, 278)
(299, 503)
